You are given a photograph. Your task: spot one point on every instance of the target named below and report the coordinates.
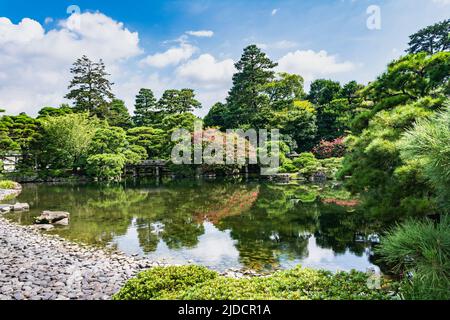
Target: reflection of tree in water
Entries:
(183, 207)
(271, 228)
(269, 222)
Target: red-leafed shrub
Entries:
(330, 149)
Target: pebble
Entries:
(37, 266)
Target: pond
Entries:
(216, 223)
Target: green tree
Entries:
(155, 141)
(65, 140)
(178, 101)
(246, 98)
(116, 114)
(413, 87)
(428, 144)
(54, 112)
(431, 39)
(284, 90)
(216, 116)
(145, 113)
(89, 88)
(324, 91)
(106, 166)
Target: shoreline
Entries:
(37, 266)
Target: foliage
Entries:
(145, 113)
(7, 184)
(154, 141)
(413, 87)
(67, 139)
(106, 166)
(330, 149)
(431, 39)
(198, 283)
(54, 112)
(89, 88)
(115, 113)
(178, 101)
(421, 248)
(156, 282)
(246, 98)
(428, 143)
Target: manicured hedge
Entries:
(199, 283)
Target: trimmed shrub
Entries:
(198, 283)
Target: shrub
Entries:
(421, 248)
(158, 282)
(330, 149)
(307, 164)
(198, 283)
(6, 184)
(106, 166)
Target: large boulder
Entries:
(53, 217)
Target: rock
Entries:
(51, 217)
(21, 207)
(44, 227)
(5, 208)
(63, 222)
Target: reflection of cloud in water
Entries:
(321, 258)
(215, 249)
(129, 242)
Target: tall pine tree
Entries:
(245, 98)
(90, 89)
(145, 112)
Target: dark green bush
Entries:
(198, 283)
(420, 249)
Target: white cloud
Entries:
(207, 71)
(171, 57)
(442, 2)
(34, 64)
(283, 44)
(48, 20)
(312, 65)
(201, 33)
(275, 11)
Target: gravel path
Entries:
(37, 266)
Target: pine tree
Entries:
(245, 98)
(89, 88)
(432, 39)
(145, 108)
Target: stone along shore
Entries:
(38, 266)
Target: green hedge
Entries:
(199, 283)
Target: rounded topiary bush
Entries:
(162, 282)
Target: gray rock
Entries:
(44, 227)
(51, 217)
(63, 222)
(5, 208)
(21, 207)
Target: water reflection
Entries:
(220, 224)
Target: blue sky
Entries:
(149, 43)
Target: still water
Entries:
(220, 224)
